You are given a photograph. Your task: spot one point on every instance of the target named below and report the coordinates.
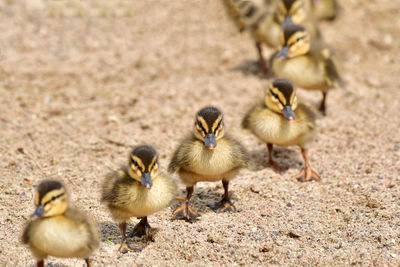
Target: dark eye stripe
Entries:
(53, 198)
(218, 125)
(277, 97)
(201, 126)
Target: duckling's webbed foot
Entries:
(307, 174)
(225, 205)
(185, 211)
(40, 263)
(125, 247)
(141, 229)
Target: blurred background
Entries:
(81, 82)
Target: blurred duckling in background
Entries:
(325, 9)
(305, 63)
(264, 21)
(55, 229)
(209, 154)
(281, 120)
(138, 190)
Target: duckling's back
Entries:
(71, 235)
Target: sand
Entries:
(81, 83)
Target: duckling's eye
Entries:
(53, 198)
(135, 164)
(218, 126)
(274, 95)
(299, 39)
(202, 128)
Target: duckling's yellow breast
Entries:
(60, 237)
(143, 202)
(210, 162)
(274, 128)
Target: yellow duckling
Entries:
(137, 191)
(325, 9)
(56, 229)
(264, 22)
(281, 120)
(309, 67)
(209, 154)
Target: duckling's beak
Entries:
(288, 113)
(287, 20)
(146, 180)
(210, 141)
(283, 53)
(38, 212)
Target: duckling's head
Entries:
(291, 11)
(143, 165)
(51, 199)
(281, 98)
(295, 41)
(209, 126)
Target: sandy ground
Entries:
(75, 77)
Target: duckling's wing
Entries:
(179, 159)
(246, 119)
(332, 74)
(240, 155)
(25, 236)
(111, 183)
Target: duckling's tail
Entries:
(245, 14)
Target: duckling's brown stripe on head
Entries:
(144, 156)
(209, 115)
(290, 29)
(288, 3)
(284, 86)
(47, 186)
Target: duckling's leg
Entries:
(225, 205)
(40, 263)
(125, 247)
(141, 229)
(275, 166)
(87, 262)
(185, 211)
(322, 107)
(261, 61)
(307, 174)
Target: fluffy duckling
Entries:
(264, 22)
(137, 191)
(55, 229)
(309, 67)
(325, 9)
(209, 154)
(281, 120)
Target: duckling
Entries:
(137, 190)
(209, 154)
(264, 22)
(325, 9)
(56, 229)
(309, 67)
(281, 120)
